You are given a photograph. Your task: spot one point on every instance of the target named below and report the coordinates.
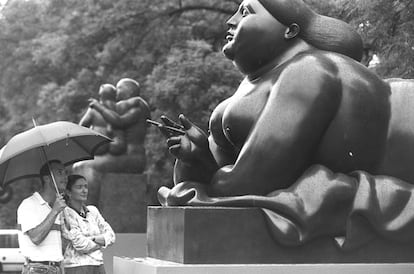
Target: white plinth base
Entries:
(124, 265)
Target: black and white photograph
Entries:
(207, 136)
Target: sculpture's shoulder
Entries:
(318, 62)
(134, 104)
(136, 101)
(308, 73)
(134, 107)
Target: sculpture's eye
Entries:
(245, 12)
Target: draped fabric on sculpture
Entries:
(355, 204)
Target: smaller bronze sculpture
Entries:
(124, 121)
(94, 120)
(117, 173)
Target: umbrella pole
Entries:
(47, 161)
(50, 170)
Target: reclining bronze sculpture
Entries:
(311, 135)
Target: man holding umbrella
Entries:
(40, 219)
(44, 151)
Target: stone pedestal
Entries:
(222, 235)
(214, 240)
(124, 265)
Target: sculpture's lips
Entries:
(229, 36)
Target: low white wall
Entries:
(126, 245)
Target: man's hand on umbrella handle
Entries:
(59, 203)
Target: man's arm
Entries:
(39, 233)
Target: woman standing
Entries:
(85, 230)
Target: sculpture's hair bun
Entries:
(322, 32)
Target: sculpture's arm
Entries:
(87, 118)
(190, 146)
(138, 110)
(210, 155)
(299, 109)
(109, 115)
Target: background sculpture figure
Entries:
(311, 135)
(94, 120)
(124, 121)
(118, 172)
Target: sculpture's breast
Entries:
(242, 113)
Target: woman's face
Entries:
(79, 191)
(254, 37)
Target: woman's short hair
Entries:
(322, 32)
(72, 180)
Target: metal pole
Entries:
(50, 170)
(47, 161)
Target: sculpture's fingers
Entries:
(173, 141)
(168, 122)
(175, 149)
(187, 124)
(167, 133)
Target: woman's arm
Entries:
(107, 235)
(72, 232)
(300, 107)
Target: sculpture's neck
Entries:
(298, 47)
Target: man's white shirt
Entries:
(31, 212)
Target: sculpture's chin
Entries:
(228, 51)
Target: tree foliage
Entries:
(387, 29)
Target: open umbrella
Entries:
(25, 153)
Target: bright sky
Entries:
(2, 2)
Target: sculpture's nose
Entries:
(233, 21)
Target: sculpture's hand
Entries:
(193, 146)
(93, 102)
(168, 123)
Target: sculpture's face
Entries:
(254, 37)
(107, 92)
(123, 91)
